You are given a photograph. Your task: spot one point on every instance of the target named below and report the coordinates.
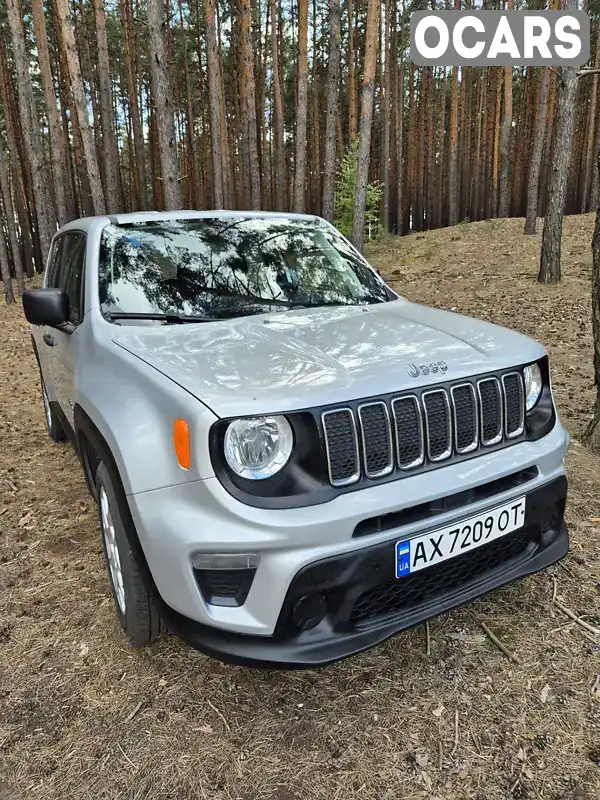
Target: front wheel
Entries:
(136, 610)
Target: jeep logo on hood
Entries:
(415, 370)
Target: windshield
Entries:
(222, 268)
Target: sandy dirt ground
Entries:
(82, 715)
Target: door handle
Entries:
(49, 340)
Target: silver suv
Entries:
(291, 462)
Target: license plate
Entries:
(436, 546)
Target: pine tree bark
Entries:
(9, 295)
(58, 149)
(80, 103)
(533, 182)
(9, 217)
(82, 192)
(112, 177)
(399, 130)
(194, 180)
(441, 178)
(351, 74)
(248, 101)
(29, 126)
(390, 6)
(315, 159)
(278, 124)
(331, 114)
(592, 433)
(496, 155)
(20, 196)
(366, 121)
(214, 100)
(505, 137)
(134, 110)
(162, 98)
(298, 204)
(453, 193)
(590, 150)
(557, 187)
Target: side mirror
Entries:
(46, 307)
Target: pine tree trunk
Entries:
(351, 75)
(496, 154)
(592, 433)
(248, 101)
(389, 6)
(315, 172)
(9, 217)
(590, 150)
(505, 137)
(194, 180)
(162, 98)
(58, 148)
(557, 188)
(212, 68)
(16, 168)
(399, 132)
(533, 183)
(278, 130)
(441, 178)
(81, 107)
(333, 78)
(112, 177)
(228, 188)
(453, 194)
(82, 192)
(134, 110)
(29, 127)
(301, 109)
(366, 121)
(9, 296)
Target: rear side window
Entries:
(70, 272)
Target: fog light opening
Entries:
(309, 611)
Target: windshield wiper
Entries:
(168, 319)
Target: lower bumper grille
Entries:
(413, 590)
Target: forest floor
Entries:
(83, 715)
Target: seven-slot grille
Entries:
(413, 430)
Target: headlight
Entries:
(258, 447)
(533, 385)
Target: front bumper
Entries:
(366, 605)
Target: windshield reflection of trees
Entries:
(219, 269)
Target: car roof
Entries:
(87, 223)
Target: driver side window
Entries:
(54, 263)
(66, 271)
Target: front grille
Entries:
(437, 424)
(342, 446)
(423, 430)
(490, 409)
(404, 593)
(376, 435)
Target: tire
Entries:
(136, 610)
(55, 429)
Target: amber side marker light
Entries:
(181, 443)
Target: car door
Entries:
(45, 340)
(69, 279)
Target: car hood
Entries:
(302, 358)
